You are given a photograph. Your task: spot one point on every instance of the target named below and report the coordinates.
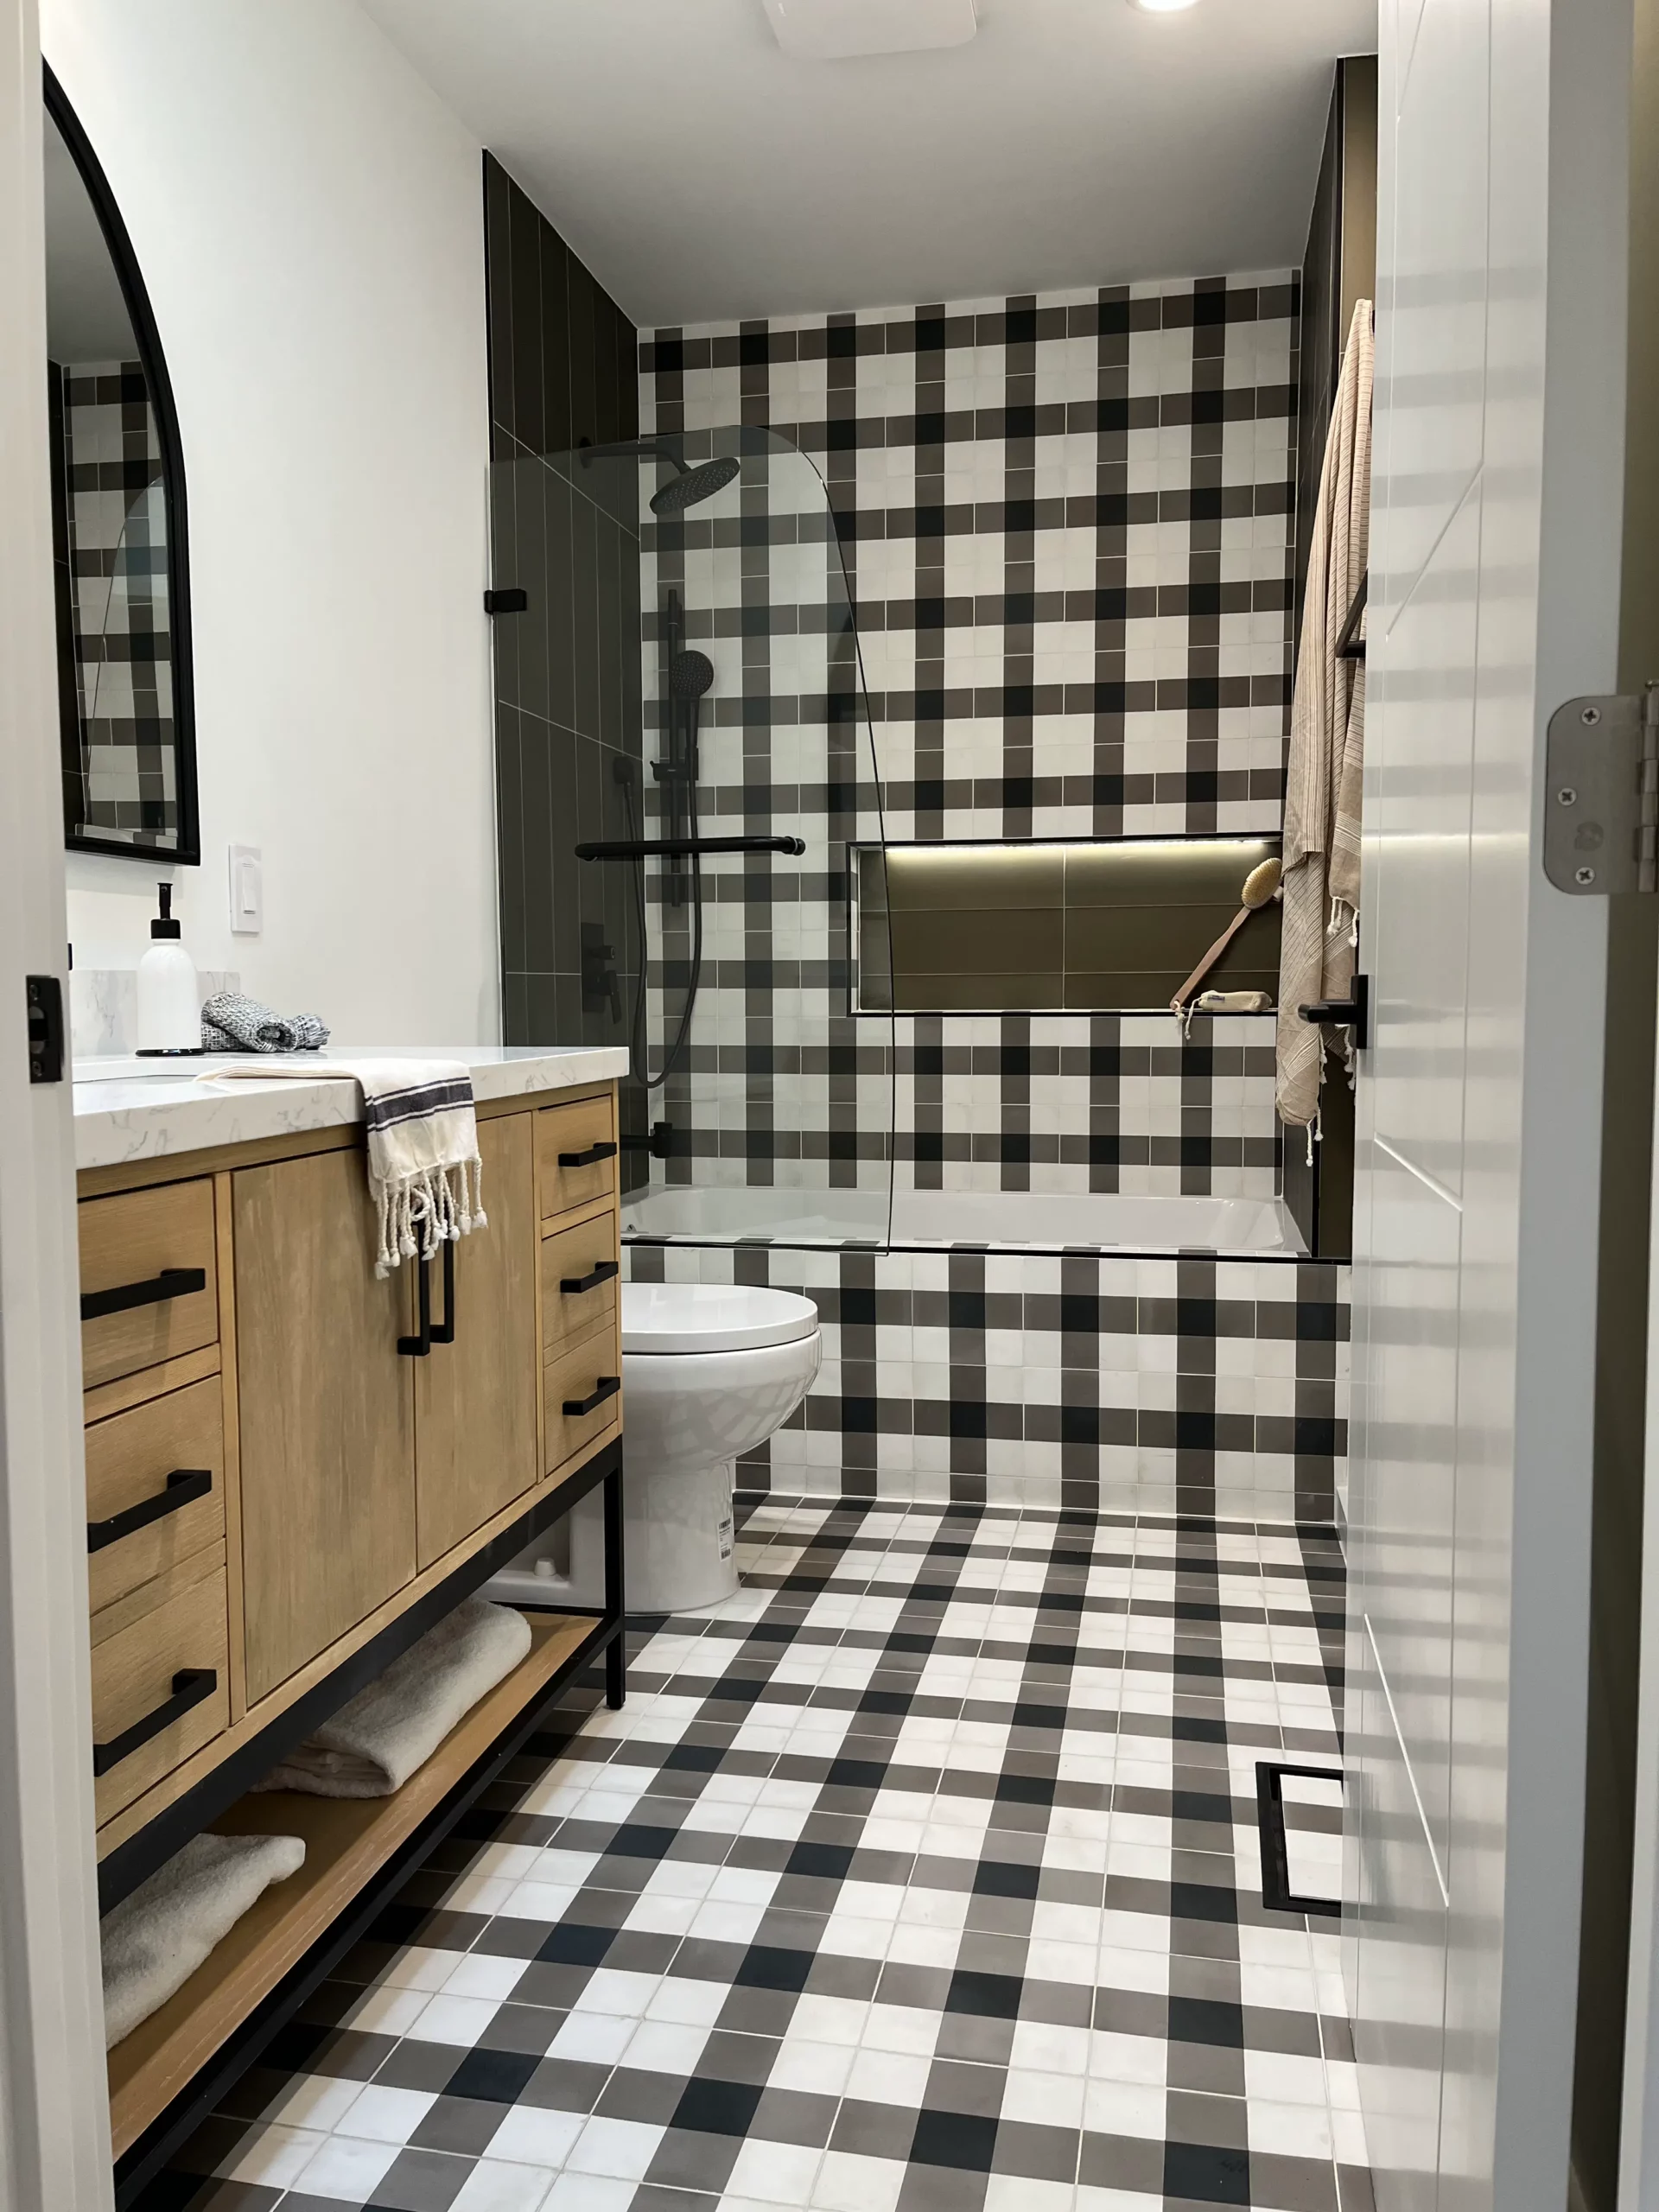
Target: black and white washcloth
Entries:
(233, 1023)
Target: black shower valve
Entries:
(601, 986)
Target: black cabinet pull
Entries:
(444, 1332)
(418, 1346)
(184, 1486)
(603, 1271)
(190, 1686)
(607, 1386)
(590, 1157)
(172, 1282)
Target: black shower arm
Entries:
(645, 849)
(642, 449)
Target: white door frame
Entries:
(54, 2133)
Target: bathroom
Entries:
(790, 1499)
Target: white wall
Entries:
(1497, 497)
(309, 218)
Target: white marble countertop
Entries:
(128, 1109)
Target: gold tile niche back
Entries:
(1110, 927)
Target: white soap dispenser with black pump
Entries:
(170, 997)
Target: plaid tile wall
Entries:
(1103, 1382)
(116, 523)
(1057, 1103)
(1066, 521)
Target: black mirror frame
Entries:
(187, 847)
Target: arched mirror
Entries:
(120, 575)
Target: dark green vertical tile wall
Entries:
(563, 373)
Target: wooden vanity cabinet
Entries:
(476, 1396)
(281, 1500)
(328, 1411)
(328, 1478)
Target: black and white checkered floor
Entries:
(921, 1877)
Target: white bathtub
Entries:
(1001, 1220)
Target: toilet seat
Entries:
(701, 1317)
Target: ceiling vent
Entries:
(838, 30)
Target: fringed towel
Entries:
(232, 1023)
(154, 1940)
(424, 1168)
(1327, 748)
(425, 1172)
(389, 1730)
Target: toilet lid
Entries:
(711, 1317)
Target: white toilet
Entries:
(708, 1371)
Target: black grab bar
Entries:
(645, 849)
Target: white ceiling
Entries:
(700, 173)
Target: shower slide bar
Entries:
(635, 849)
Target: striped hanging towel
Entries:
(425, 1172)
(425, 1168)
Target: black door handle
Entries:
(190, 1686)
(590, 1157)
(1353, 1012)
(172, 1282)
(184, 1486)
(607, 1386)
(418, 1346)
(444, 1332)
(573, 1286)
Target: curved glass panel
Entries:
(686, 672)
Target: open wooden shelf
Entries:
(345, 1841)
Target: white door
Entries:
(1495, 595)
(55, 2145)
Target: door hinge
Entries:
(1601, 804)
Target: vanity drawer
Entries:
(575, 1256)
(152, 1704)
(147, 1259)
(157, 1474)
(577, 1377)
(576, 1154)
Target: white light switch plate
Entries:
(247, 891)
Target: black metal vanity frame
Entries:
(186, 846)
(120, 1873)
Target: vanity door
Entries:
(475, 1394)
(328, 1411)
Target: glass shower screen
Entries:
(685, 757)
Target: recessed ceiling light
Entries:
(841, 30)
(1163, 7)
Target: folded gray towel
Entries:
(232, 1023)
(373, 1745)
(154, 1940)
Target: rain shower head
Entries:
(692, 486)
(689, 486)
(690, 674)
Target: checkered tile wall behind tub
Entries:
(1067, 524)
(1102, 1382)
